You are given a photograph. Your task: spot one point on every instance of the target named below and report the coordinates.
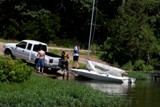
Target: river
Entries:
(142, 93)
(145, 94)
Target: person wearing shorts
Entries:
(65, 63)
(76, 56)
(41, 59)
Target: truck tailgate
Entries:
(52, 62)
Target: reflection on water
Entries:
(112, 88)
(108, 87)
(146, 94)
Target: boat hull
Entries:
(102, 76)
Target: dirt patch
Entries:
(1, 48)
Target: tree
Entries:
(131, 37)
(28, 20)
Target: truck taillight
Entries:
(51, 61)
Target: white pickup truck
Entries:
(27, 50)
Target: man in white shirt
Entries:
(76, 56)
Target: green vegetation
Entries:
(57, 52)
(139, 75)
(8, 41)
(139, 65)
(13, 70)
(134, 35)
(124, 32)
(139, 70)
(45, 92)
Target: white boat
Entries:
(104, 68)
(103, 72)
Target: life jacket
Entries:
(64, 57)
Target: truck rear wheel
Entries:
(54, 70)
(36, 61)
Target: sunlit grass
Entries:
(8, 41)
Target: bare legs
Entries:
(75, 63)
(64, 74)
(40, 70)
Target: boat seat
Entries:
(101, 68)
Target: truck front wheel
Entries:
(8, 52)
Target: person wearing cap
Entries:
(76, 56)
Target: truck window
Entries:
(36, 48)
(29, 46)
(22, 45)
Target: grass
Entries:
(45, 92)
(8, 41)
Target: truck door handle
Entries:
(22, 50)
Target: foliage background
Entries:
(125, 30)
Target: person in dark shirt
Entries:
(65, 63)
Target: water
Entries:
(108, 87)
(142, 93)
(145, 94)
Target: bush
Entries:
(140, 75)
(13, 70)
(141, 66)
(128, 66)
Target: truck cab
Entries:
(27, 50)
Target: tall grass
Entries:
(45, 92)
(8, 41)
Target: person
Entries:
(76, 56)
(41, 58)
(65, 63)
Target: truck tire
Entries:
(54, 70)
(36, 61)
(8, 52)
